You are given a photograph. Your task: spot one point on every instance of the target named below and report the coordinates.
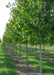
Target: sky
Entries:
(4, 15)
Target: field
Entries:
(33, 58)
(28, 44)
(6, 65)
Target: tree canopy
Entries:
(31, 21)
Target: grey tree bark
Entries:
(40, 61)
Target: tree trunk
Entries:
(20, 50)
(43, 47)
(40, 61)
(36, 48)
(27, 60)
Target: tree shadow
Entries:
(7, 67)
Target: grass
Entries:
(38, 51)
(46, 52)
(35, 61)
(46, 46)
(6, 65)
(47, 67)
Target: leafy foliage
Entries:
(0, 40)
(31, 21)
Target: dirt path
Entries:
(21, 64)
(44, 57)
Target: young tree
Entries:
(32, 21)
(0, 40)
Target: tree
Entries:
(0, 40)
(32, 21)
